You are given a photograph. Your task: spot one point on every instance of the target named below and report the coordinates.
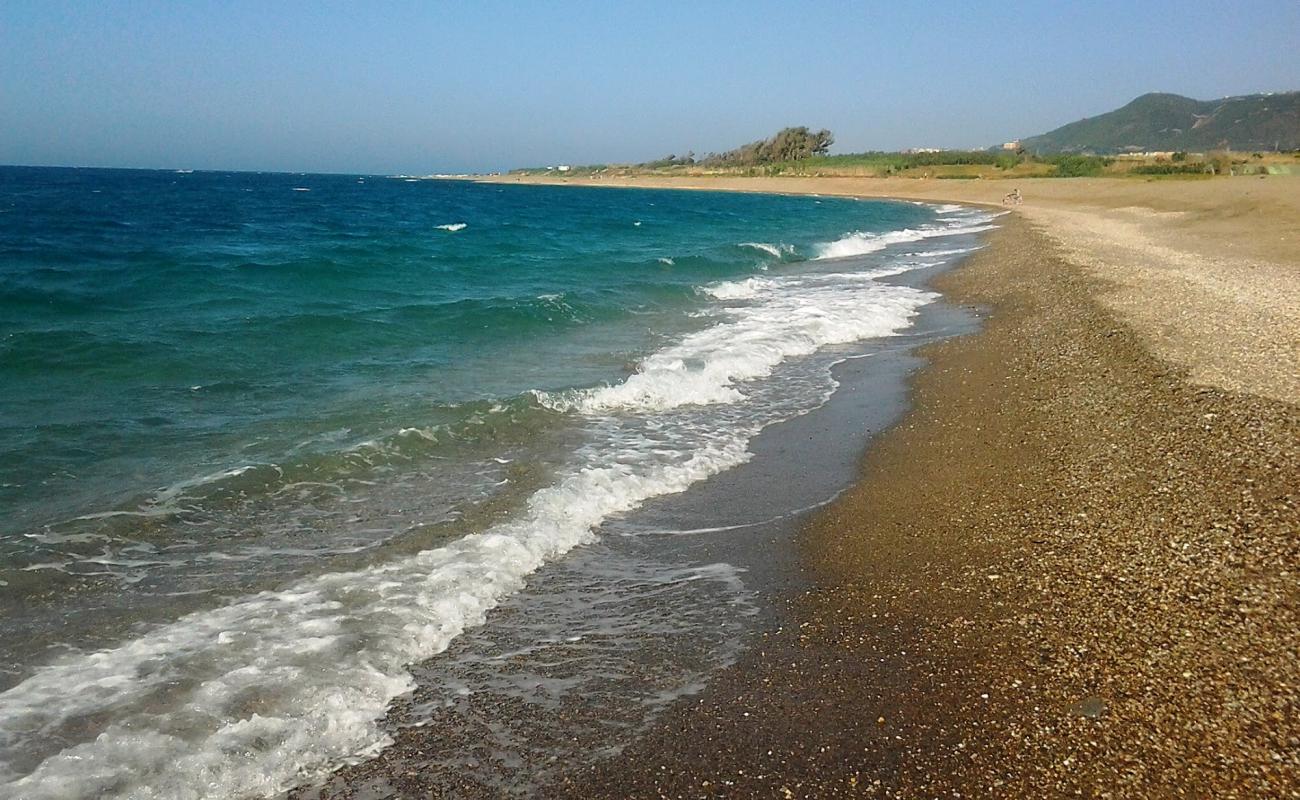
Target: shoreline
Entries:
(750, 515)
(1069, 569)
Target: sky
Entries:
(421, 87)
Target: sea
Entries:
(290, 463)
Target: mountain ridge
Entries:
(1159, 121)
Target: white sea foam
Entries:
(253, 697)
(246, 699)
(163, 500)
(859, 243)
(666, 260)
(793, 316)
(452, 226)
(774, 250)
(955, 251)
(737, 290)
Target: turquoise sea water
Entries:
(266, 439)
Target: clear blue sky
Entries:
(424, 86)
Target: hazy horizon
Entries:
(413, 88)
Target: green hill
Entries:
(1155, 122)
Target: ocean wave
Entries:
(452, 226)
(861, 243)
(282, 684)
(466, 426)
(736, 290)
(774, 250)
(788, 317)
(795, 316)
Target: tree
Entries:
(789, 144)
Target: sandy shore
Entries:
(1072, 570)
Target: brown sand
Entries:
(1072, 569)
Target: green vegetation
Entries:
(803, 152)
(671, 161)
(1077, 166)
(902, 161)
(1217, 163)
(876, 163)
(789, 144)
(1005, 161)
(1170, 122)
(1169, 169)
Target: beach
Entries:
(1071, 569)
(813, 496)
(602, 404)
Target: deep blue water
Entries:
(266, 439)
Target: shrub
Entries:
(1078, 166)
(1006, 161)
(1168, 169)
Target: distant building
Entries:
(911, 151)
(564, 168)
(1014, 144)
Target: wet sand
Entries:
(1071, 570)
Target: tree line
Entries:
(789, 144)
